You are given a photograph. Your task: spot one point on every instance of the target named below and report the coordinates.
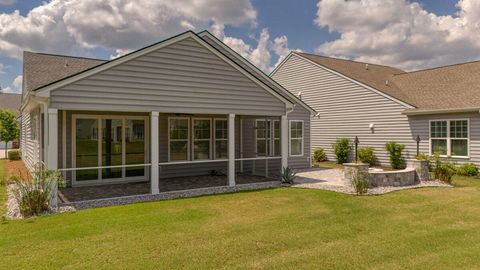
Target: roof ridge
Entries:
(349, 60)
(69, 56)
(439, 67)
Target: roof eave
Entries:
(440, 111)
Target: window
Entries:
(221, 138)
(201, 139)
(449, 138)
(179, 129)
(296, 138)
(268, 139)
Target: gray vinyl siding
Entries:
(184, 77)
(30, 148)
(346, 109)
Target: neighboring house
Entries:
(185, 106)
(379, 103)
(10, 102)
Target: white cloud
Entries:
(2, 69)
(261, 55)
(400, 33)
(7, 2)
(15, 87)
(65, 26)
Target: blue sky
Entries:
(295, 20)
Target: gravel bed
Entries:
(371, 191)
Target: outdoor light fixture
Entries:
(356, 141)
(418, 145)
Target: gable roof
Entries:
(241, 61)
(375, 76)
(11, 102)
(442, 89)
(43, 90)
(40, 69)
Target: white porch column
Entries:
(154, 153)
(284, 141)
(231, 149)
(52, 139)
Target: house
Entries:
(377, 103)
(10, 101)
(183, 107)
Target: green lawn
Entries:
(434, 228)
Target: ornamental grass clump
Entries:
(360, 182)
(34, 195)
(319, 155)
(341, 148)
(395, 150)
(443, 171)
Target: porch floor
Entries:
(74, 194)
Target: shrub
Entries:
(341, 148)
(468, 169)
(395, 151)
(422, 156)
(34, 195)
(288, 175)
(445, 172)
(319, 155)
(367, 155)
(360, 182)
(14, 155)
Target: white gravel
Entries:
(332, 179)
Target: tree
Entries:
(9, 130)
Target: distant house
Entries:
(186, 106)
(11, 102)
(379, 103)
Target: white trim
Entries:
(188, 138)
(284, 129)
(290, 138)
(440, 111)
(99, 118)
(449, 138)
(343, 76)
(271, 138)
(202, 140)
(259, 72)
(154, 150)
(231, 149)
(64, 141)
(52, 141)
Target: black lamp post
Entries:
(418, 145)
(356, 141)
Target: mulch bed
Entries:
(17, 168)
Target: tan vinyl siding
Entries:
(346, 109)
(30, 148)
(184, 77)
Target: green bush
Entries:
(288, 175)
(395, 151)
(468, 169)
(445, 172)
(341, 148)
(422, 156)
(319, 155)
(14, 155)
(367, 155)
(360, 182)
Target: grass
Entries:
(431, 228)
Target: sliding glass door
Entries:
(109, 144)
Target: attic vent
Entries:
(366, 66)
(66, 63)
(386, 82)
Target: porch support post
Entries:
(52, 139)
(284, 141)
(231, 149)
(154, 153)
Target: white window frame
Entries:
(201, 140)
(188, 138)
(99, 134)
(214, 131)
(290, 138)
(271, 137)
(449, 138)
(272, 144)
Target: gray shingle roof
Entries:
(11, 102)
(41, 69)
(449, 87)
